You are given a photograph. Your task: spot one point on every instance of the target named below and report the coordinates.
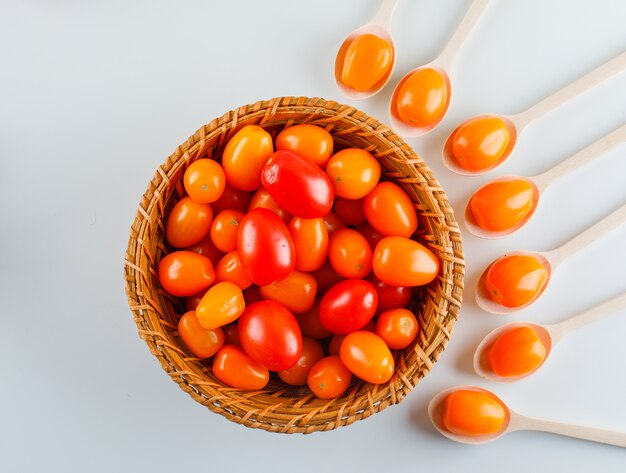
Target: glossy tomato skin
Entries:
(370, 234)
(479, 143)
(232, 199)
(297, 185)
(296, 292)
(222, 304)
(390, 297)
(309, 141)
(403, 262)
(245, 155)
(423, 98)
(225, 228)
(333, 222)
(231, 269)
(233, 367)
(397, 327)
(263, 199)
(516, 280)
(297, 375)
(326, 278)
(390, 211)
(502, 204)
(310, 323)
(354, 173)
(265, 247)
(367, 356)
(329, 378)
(310, 239)
(184, 273)
(350, 211)
(367, 61)
(350, 254)
(201, 342)
(188, 223)
(348, 306)
(270, 334)
(204, 181)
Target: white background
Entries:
(95, 95)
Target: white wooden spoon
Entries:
(551, 259)
(380, 26)
(442, 64)
(548, 334)
(540, 182)
(517, 123)
(514, 421)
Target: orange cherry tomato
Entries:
(232, 199)
(478, 144)
(326, 278)
(423, 97)
(298, 374)
(397, 327)
(184, 273)
(366, 62)
(370, 234)
(390, 211)
(514, 281)
(191, 302)
(350, 211)
(230, 269)
(222, 304)
(354, 173)
(234, 368)
(310, 239)
(310, 324)
(333, 223)
(201, 342)
(206, 247)
(367, 356)
(309, 141)
(204, 181)
(516, 352)
(231, 334)
(245, 155)
(501, 205)
(350, 254)
(466, 412)
(296, 291)
(188, 223)
(225, 228)
(329, 378)
(264, 200)
(402, 262)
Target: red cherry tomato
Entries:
(390, 211)
(188, 223)
(350, 254)
(390, 297)
(333, 222)
(402, 262)
(310, 324)
(206, 247)
(270, 334)
(204, 181)
(232, 199)
(265, 247)
(329, 378)
(201, 342)
(234, 368)
(183, 273)
(297, 375)
(230, 269)
(326, 278)
(310, 239)
(263, 199)
(297, 185)
(350, 211)
(309, 141)
(245, 155)
(397, 327)
(225, 228)
(296, 292)
(367, 356)
(348, 306)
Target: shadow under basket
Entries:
(279, 407)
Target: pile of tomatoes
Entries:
(297, 261)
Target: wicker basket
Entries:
(279, 408)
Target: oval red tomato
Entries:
(348, 306)
(390, 297)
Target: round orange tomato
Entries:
(423, 98)
(296, 291)
(516, 280)
(480, 143)
(390, 211)
(232, 199)
(234, 368)
(310, 323)
(264, 200)
(230, 269)
(188, 223)
(298, 374)
(500, 205)
(397, 327)
(309, 141)
(204, 181)
(402, 262)
(366, 62)
(329, 378)
(350, 211)
(333, 223)
(222, 304)
(354, 173)
(225, 228)
(326, 278)
(206, 247)
(184, 273)
(367, 356)
(310, 239)
(350, 254)
(245, 155)
(201, 342)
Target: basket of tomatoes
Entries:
(295, 266)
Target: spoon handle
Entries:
(582, 157)
(594, 314)
(385, 13)
(595, 232)
(466, 26)
(576, 88)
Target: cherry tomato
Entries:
(367, 356)
(350, 211)
(297, 185)
(234, 368)
(206, 247)
(326, 278)
(188, 223)
(191, 302)
(402, 262)
(423, 98)
(263, 199)
(296, 291)
(397, 327)
(222, 304)
(265, 247)
(390, 297)
(516, 280)
(350, 254)
(232, 199)
(183, 273)
(270, 334)
(348, 306)
(297, 375)
(366, 63)
(310, 240)
(480, 143)
(329, 378)
(201, 342)
(370, 234)
(245, 155)
(333, 222)
(502, 204)
(230, 269)
(231, 334)
(309, 141)
(354, 173)
(310, 324)
(204, 181)
(518, 351)
(225, 228)
(252, 295)
(390, 211)
(467, 412)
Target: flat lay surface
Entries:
(95, 96)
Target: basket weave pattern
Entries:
(279, 408)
